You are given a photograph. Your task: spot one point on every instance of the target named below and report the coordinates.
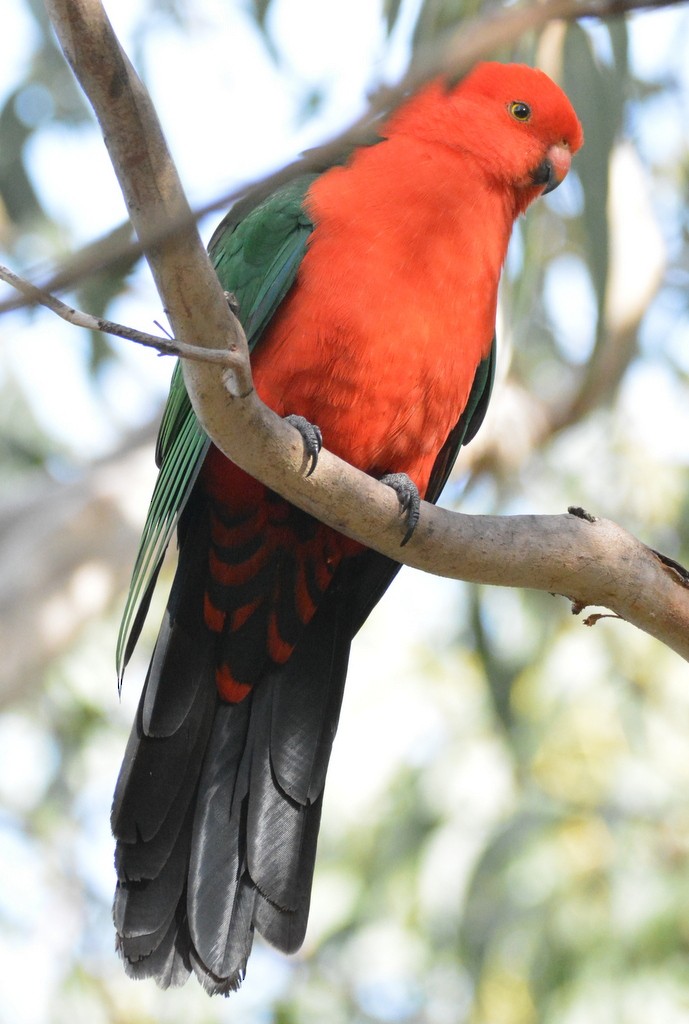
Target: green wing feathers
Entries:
(256, 252)
(257, 257)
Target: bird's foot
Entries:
(408, 496)
(312, 438)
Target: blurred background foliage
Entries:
(506, 834)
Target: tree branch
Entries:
(591, 562)
(194, 301)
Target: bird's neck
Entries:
(410, 200)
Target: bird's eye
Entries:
(520, 111)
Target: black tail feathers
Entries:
(217, 807)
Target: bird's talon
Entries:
(408, 497)
(312, 438)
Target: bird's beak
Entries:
(553, 169)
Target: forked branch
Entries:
(591, 561)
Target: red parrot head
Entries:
(513, 121)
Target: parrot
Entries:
(367, 291)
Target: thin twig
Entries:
(165, 346)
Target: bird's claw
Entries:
(312, 438)
(408, 496)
